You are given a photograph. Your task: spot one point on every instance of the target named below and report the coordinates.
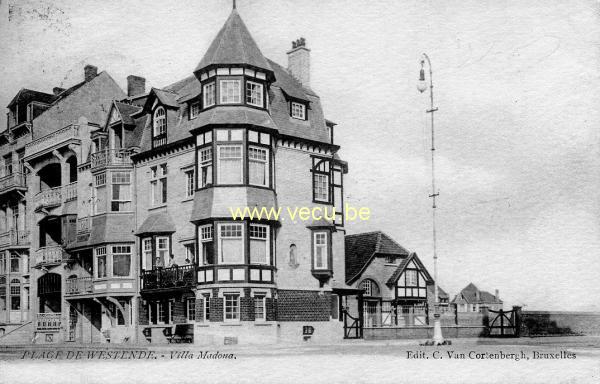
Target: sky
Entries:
(517, 139)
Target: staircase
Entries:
(20, 334)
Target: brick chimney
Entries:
(89, 72)
(57, 90)
(136, 85)
(299, 61)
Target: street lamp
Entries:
(422, 86)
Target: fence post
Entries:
(455, 314)
(486, 319)
(517, 320)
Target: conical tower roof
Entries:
(234, 45)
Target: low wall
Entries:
(535, 323)
(453, 331)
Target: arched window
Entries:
(160, 122)
(293, 257)
(370, 288)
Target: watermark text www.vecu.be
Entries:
(315, 213)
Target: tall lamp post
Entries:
(422, 86)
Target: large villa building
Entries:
(114, 206)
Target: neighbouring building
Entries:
(471, 299)
(397, 288)
(125, 210)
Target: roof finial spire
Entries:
(233, 4)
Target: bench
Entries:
(183, 333)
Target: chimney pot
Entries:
(299, 61)
(57, 90)
(89, 72)
(136, 85)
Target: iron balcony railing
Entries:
(172, 277)
(79, 285)
(13, 180)
(14, 237)
(111, 157)
(48, 322)
(52, 254)
(55, 138)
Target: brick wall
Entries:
(143, 313)
(295, 305)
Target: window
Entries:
(321, 253)
(206, 244)
(160, 312)
(230, 91)
(14, 262)
(15, 295)
(99, 193)
(321, 187)
(206, 303)
(411, 277)
(260, 312)
(370, 288)
(390, 259)
(190, 309)
(121, 260)
(147, 253)
(229, 164)
(205, 167)
(189, 183)
(194, 110)
(162, 251)
(232, 306)
(258, 166)
(100, 262)
(2, 263)
(190, 252)
(254, 93)
(259, 244)
(298, 111)
(160, 122)
(366, 287)
(231, 245)
(293, 262)
(121, 192)
(209, 94)
(158, 184)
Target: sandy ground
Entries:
(347, 362)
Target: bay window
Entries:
(259, 244)
(321, 180)
(205, 172)
(231, 244)
(99, 193)
(209, 94)
(121, 256)
(205, 235)
(121, 192)
(229, 164)
(258, 166)
(230, 91)
(321, 250)
(254, 94)
(100, 262)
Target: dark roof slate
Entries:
(126, 110)
(159, 222)
(29, 95)
(412, 257)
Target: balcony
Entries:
(52, 254)
(13, 181)
(70, 134)
(54, 197)
(110, 158)
(166, 278)
(79, 286)
(211, 274)
(48, 322)
(14, 238)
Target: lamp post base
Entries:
(438, 339)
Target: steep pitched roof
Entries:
(126, 110)
(362, 247)
(412, 257)
(470, 294)
(233, 45)
(28, 95)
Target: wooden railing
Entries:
(54, 138)
(172, 277)
(46, 322)
(49, 255)
(14, 237)
(110, 157)
(15, 179)
(79, 285)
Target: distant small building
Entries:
(471, 299)
(398, 290)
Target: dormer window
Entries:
(254, 94)
(230, 91)
(194, 109)
(209, 94)
(159, 136)
(298, 110)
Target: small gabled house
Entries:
(471, 299)
(398, 290)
